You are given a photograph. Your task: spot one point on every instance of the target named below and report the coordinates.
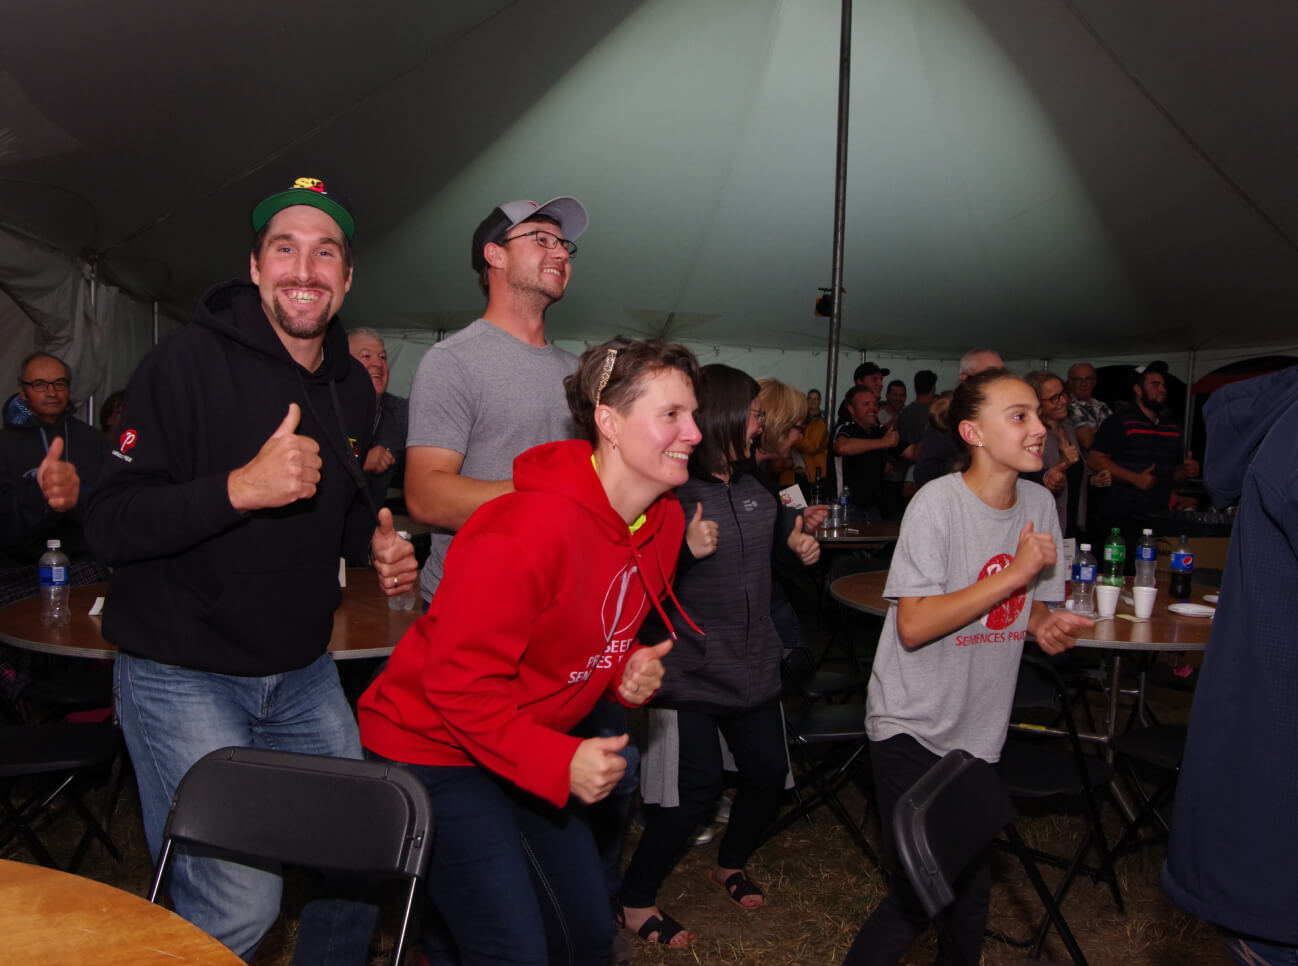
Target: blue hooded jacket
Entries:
(1233, 855)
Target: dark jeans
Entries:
(516, 880)
(608, 819)
(756, 739)
(898, 920)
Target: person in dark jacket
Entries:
(1234, 847)
(725, 679)
(49, 460)
(233, 490)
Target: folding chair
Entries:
(803, 679)
(837, 731)
(944, 820)
(53, 760)
(1041, 767)
(306, 810)
(1160, 748)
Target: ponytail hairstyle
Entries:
(613, 374)
(966, 404)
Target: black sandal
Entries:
(739, 887)
(665, 926)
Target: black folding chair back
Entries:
(947, 818)
(307, 810)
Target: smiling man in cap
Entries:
(495, 388)
(232, 492)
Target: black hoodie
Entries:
(196, 583)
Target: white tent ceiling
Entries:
(1055, 178)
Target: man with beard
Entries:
(1140, 446)
(386, 457)
(234, 488)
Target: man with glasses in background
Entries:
(49, 460)
(479, 399)
(1084, 410)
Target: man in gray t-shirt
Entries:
(495, 388)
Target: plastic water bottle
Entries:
(54, 584)
(1182, 569)
(1146, 559)
(1081, 597)
(1115, 557)
(406, 599)
(845, 500)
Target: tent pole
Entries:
(155, 321)
(840, 201)
(1188, 421)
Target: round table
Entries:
(1164, 631)
(48, 916)
(855, 534)
(364, 625)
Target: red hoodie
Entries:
(540, 603)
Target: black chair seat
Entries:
(826, 723)
(41, 749)
(83, 689)
(1162, 746)
(1029, 771)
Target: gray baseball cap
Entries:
(568, 212)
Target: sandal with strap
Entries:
(739, 887)
(666, 928)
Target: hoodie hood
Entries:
(234, 310)
(565, 469)
(1241, 414)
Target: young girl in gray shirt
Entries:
(976, 560)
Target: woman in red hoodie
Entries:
(535, 621)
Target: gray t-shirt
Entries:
(485, 394)
(956, 691)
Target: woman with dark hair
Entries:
(537, 619)
(975, 562)
(727, 681)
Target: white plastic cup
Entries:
(1144, 599)
(1106, 599)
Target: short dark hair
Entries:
(633, 361)
(1138, 375)
(856, 391)
(894, 382)
(725, 396)
(483, 283)
(32, 357)
(925, 381)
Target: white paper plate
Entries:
(1210, 598)
(1192, 610)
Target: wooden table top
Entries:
(1164, 631)
(364, 625)
(856, 533)
(48, 916)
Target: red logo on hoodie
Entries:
(127, 441)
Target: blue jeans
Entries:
(517, 880)
(173, 716)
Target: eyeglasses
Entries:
(758, 414)
(1056, 398)
(546, 239)
(40, 385)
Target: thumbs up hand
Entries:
(701, 535)
(286, 469)
(805, 545)
(394, 557)
(59, 482)
(643, 673)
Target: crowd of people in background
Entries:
(605, 532)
